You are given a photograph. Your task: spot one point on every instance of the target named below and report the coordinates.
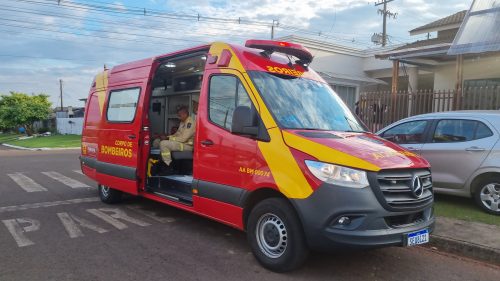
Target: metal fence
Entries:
(72, 126)
(379, 109)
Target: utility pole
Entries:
(384, 12)
(272, 28)
(61, 92)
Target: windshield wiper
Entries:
(355, 131)
(308, 129)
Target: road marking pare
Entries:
(47, 204)
(65, 180)
(19, 228)
(26, 183)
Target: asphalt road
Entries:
(56, 229)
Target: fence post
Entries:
(459, 81)
(394, 88)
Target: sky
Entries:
(44, 41)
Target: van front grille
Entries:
(405, 220)
(403, 189)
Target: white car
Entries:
(463, 149)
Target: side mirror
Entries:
(245, 122)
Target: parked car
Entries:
(463, 149)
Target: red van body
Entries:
(276, 152)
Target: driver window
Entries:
(409, 132)
(226, 93)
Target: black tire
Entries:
(487, 194)
(276, 221)
(109, 195)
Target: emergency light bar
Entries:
(292, 49)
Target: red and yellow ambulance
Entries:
(276, 152)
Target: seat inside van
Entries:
(176, 83)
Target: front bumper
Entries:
(371, 225)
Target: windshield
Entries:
(298, 103)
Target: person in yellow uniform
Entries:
(182, 140)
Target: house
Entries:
(459, 58)
(69, 112)
(431, 64)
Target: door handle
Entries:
(207, 142)
(412, 148)
(475, 148)
(131, 137)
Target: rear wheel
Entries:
(275, 235)
(109, 195)
(487, 194)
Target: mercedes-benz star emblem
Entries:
(416, 187)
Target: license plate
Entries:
(417, 238)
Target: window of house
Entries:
(346, 93)
(226, 93)
(122, 105)
(492, 82)
(409, 132)
(460, 130)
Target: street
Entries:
(54, 227)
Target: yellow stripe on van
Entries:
(101, 85)
(286, 172)
(216, 50)
(327, 154)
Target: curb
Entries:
(38, 148)
(464, 248)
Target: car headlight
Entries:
(338, 175)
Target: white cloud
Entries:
(34, 59)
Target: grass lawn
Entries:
(7, 137)
(52, 141)
(462, 208)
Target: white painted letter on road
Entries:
(71, 222)
(114, 216)
(18, 232)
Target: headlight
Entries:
(338, 175)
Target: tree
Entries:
(19, 109)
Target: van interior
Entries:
(177, 82)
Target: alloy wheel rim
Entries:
(490, 196)
(105, 190)
(272, 235)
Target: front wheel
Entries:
(275, 235)
(487, 195)
(109, 195)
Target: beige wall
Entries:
(477, 68)
(373, 64)
(336, 62)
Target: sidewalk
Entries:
(470, 239)
(37, 148)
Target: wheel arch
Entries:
(483, 174)
(256, 196)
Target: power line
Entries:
(114, 47)
(156, 13)
(92, 20)
(108, 32)
(49, 58)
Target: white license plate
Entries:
(418, 237)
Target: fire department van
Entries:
(276, 152)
